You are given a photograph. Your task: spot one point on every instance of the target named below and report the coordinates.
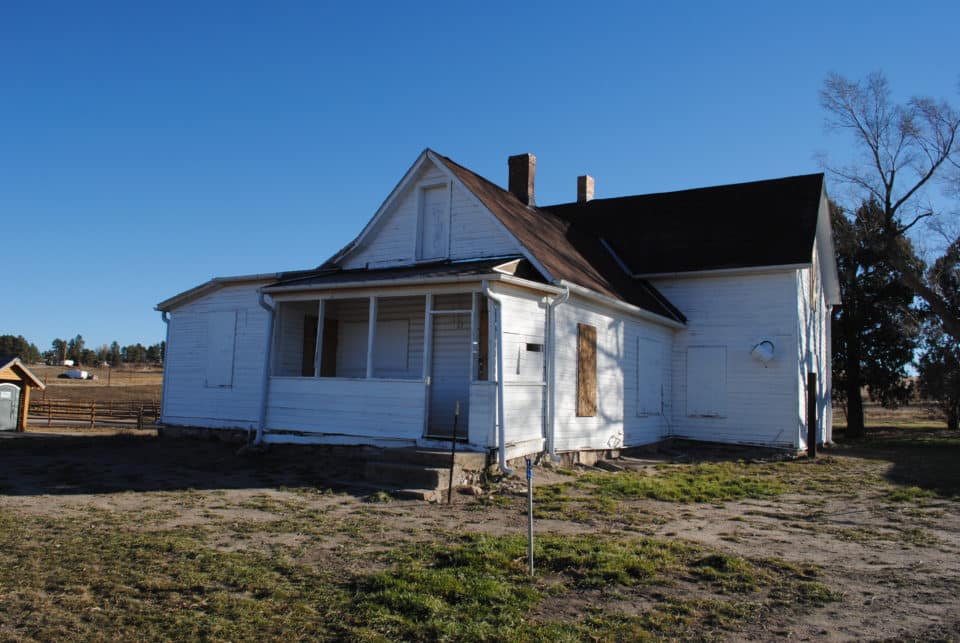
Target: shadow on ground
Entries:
(33, 464)
(924, 457)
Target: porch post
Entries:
(427, 335)
(474, 338)
(371, 334)
(318, 350)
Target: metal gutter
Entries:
(501, 429)
(552, 373)
(165, 316)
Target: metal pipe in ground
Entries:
(530, 513)
(453, 451)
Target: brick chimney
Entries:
(523, 167)
(584, 188)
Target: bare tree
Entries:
(904, 148)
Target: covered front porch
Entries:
(389, 367)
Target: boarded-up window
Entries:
(649, 377)
(586, 370)
(221, 336)
(707, 381)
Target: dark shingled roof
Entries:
(763, 223)
(566, 253)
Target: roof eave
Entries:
(413, 281)
(210, 286)
(621, 305)
(720, 272)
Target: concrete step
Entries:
(469, 460)
(412, 476)
(423, 495)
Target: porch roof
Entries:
(426, 271)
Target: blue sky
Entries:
(146, 147)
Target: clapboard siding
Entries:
(640, 425)
(524, 322)
(483, 409)
(474, 232)
(359, 408)
(289, 331)
(187, 400)
(605, 429)
(737, 312)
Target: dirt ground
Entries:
(883, 528)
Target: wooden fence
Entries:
(91, 414)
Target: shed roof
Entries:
(433, 270)
(14, 368)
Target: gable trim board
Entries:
(562, 274)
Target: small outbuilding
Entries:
(16, 380)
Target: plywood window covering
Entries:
(586, 370)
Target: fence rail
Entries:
(138, 413)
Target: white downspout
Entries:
(501, 430)
(165, 316)
(552, 372)
(265, 385)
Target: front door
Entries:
(449, 375)
(9, 405)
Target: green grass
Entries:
(711, 482)
(910, 494)
(100, 577)
(478, 588)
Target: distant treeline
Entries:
(76, 349)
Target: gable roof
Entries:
(16, 365)
(565, 252)
(756, 224)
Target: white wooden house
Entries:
(593, 325)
